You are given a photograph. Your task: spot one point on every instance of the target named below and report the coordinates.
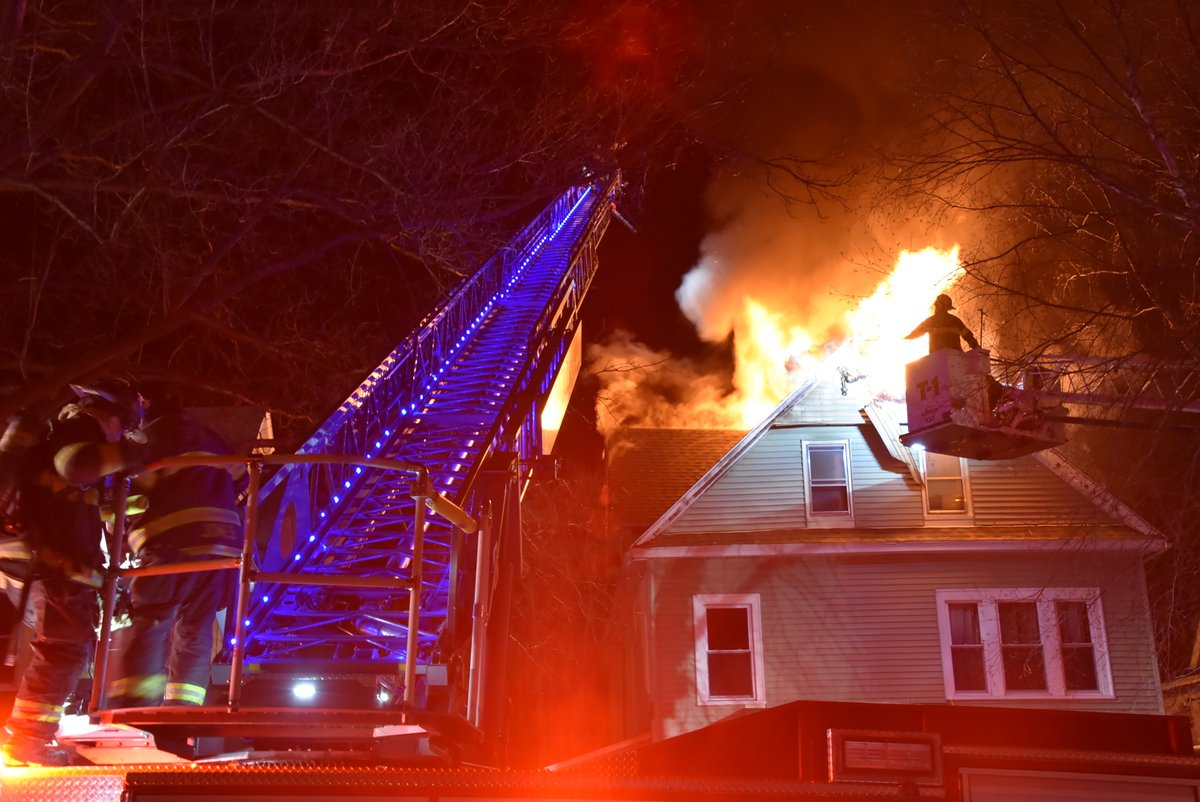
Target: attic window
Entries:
(828, 470)
(729, 657)
(945, 483)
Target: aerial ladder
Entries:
(375, 585)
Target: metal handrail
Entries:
(422, 491)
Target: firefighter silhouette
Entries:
(191, 514)
(944, 329)
(55, 558)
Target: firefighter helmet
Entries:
(943, 302)
(116, 395)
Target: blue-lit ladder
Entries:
(463, 389)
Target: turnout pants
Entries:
(65, 617)
(167, 648)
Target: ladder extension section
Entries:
(466, 385)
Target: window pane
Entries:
(966, 650)
(945, 495)
(1073, 622)
(728, 628)
(1079, 658)
(730, 675)
(1024, 669)
(827, 464)
(1079, 668)
(968, 668)
(1024, 666)
(1018, 622)
(942, 466)
(830, 499)
(964, 623)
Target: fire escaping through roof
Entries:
(774, 352)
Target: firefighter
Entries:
(57, 561)
(944, 329)
(191, 514)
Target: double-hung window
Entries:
(946, 486)
(729, 654)
(1023, 643)
(827, 468)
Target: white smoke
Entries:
(646, 388)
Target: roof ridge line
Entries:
(1097, 493)
(724, 463)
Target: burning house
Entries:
(818, 562)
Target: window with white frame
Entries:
(729, 654)
(827, 467)
(1023, 643)
(946, 487)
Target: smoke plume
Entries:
(800, 246)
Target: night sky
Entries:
(828, 84)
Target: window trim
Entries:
(947, 516)
(1048, 630)
(752, 602)
(832, 519)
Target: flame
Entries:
(879, 324)
(773, 353)
(769, 355)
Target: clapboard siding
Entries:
(758, 493)
(1026, 491)
(764, 490)
(859, 629)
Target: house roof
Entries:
(1126, 525)
(649, 469)
(722, 466)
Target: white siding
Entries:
(858, 628)
(764, 490)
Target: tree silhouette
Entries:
(1065, 132)
(258, 201)
(561, 703)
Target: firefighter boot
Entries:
(20, 749)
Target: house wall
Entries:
(1024, 491)
(853, 628)
(764, 490)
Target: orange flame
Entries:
(901, 301)
(774, 354)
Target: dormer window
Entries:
(946, 486)
(827, 468)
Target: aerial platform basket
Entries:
(955, 407)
